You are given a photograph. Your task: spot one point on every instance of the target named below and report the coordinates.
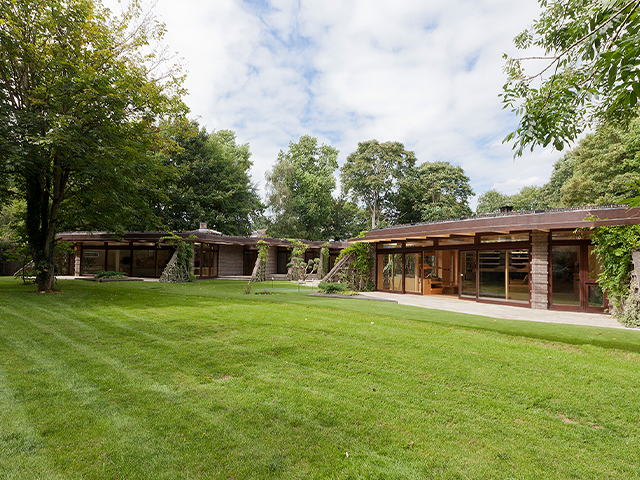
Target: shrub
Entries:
(109, 274)
(326, 287)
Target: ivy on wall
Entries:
(613, 247)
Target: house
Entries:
(539, 259)
(141, 254)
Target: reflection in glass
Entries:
(397, 272)
(412, 272)
(596, 297)
(492, 274)
(518, 285)
(93, 260)
(468, 268)
(144, 263)
(565, 273)
(594, 264)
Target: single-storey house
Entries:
(539, 259)
(140, 254)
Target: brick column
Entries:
(540, 270)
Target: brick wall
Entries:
(231, 259)
(540, 270)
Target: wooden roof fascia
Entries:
(545, 221)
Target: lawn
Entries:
(137, 380)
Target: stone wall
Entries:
(230, 260)
(540, 270)
(272, 261)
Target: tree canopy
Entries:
(433, 191)
(371, 175)
(210, 183)
(590, 71)
(80, 96)
(602, 169)
(492, 200)
(299, 190)
(604, 165)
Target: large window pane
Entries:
(518, 286)
(397, 272)
(206, 258)
(93, 260)
(565, 272)
(413, 265)
(197, 261)
(144, 263)
(594, 264)
(596, 297)
(163, 259)
(492, 274)
(468, 272)
(386, 267)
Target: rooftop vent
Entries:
(506, 209)
(203, 225)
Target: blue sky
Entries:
(423, 72)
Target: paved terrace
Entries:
(453, 304)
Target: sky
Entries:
(425, 73)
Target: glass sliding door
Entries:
(468, 269)
(397, 272)
(390, 272)
(565, 275)
(412, 268)
(518, 276)
(492, 278)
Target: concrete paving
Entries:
(454, 304)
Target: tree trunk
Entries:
(44, 197)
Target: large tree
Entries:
(211, 182)
(602, 168)
(299, 190)
(433, 191)
(80, 94)
(371, 174)
(590, 70)
(492, 200)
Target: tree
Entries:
(529, 198)
(433, 191)
(562, 171)
(299, 190)
(591, 72)
(80, 94)
(347, 219)
(371, 176)
(492, 200)
(605, 165)
(211, 181)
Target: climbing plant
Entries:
(613, 247)
(179, 267)
(299, 269)
(358, 273)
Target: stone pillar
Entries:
(76, 263)
(321, 264)
(540, 270)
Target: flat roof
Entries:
(588, 216)
(200, 236)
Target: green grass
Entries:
(140, 380)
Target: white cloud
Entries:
(425, 73)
